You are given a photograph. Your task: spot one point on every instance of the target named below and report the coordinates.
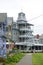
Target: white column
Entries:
(20, 47)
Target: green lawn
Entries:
(37, 59)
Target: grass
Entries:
(37, 59)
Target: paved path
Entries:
(26, 60)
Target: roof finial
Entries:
(21, 10)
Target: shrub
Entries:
(15, 58)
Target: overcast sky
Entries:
(32, 8)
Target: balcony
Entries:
(22, 18)
(24, 43)
(25, 29)
(22, 22)
(25, 36)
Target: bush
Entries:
(14, 49)
(15, 58)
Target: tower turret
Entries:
(21, 16)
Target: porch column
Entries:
(20, 47)
(28, 48)
(34, 49)
(42, 48)
(31, 48)
(38, 48)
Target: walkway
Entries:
(27, 60)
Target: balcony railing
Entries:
(25, 29)
(25, 36)
(22, 22)
(22, 18)
(24, 43)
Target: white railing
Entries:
(21, 18)
(26, 29)
(24, 43)
(25, 36)
(22, 22)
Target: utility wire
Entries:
(36, 17)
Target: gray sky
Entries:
(32, 8)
